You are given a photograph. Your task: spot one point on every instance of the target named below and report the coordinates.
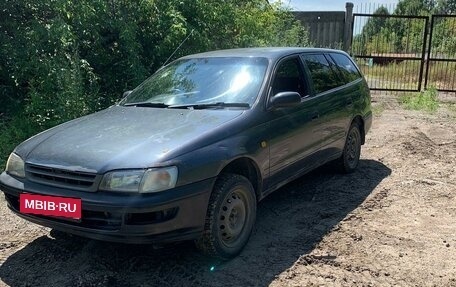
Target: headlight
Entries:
(144, 181)
(158, 179)
(15, 166)
(124, 180)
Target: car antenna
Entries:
(178, 47)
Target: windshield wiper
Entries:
(219, 105)
(147, 104)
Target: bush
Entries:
(426, 100)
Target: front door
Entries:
(291, 136)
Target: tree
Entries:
(64, 58)
(445, 7)
(370, 32)
(414, 7)
(375, 24)
(444, 38)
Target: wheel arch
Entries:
(360, 122)
(248, 168)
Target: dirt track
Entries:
(391, 223)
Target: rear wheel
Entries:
(349, 160)
(230, 217)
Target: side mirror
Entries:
(126, 94)
(285, 99)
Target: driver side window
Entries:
(289, 78)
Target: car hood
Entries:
(122, 137)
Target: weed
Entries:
(426, 100)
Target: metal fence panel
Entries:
(441, 57)
(390, 61)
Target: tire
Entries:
(230, 217)
(349, 160)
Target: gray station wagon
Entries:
(189, 153)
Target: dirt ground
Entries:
(391, 223)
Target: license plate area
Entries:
(66, 207)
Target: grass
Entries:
(424, 101)
(405, 74)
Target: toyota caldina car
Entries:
(189, 153)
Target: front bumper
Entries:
(172, 215)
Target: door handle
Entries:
(349, 104)
(315, 116)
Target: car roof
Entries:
(272, 53)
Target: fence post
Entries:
(348, 26)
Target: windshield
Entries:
(202, 81)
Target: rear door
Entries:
(334, 103)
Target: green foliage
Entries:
(414, 7)
(375, 24)
(445, 7)
(256, 26)
(364, 43)
(404, 74)
(60, 59)
(403, 37)
(12, 133)
(381, 42)
(444, 38)
(426, 100)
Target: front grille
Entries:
(61, 178)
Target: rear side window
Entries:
(346, 67)
(323, 76)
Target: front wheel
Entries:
(230, 217)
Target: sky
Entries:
(332, 5)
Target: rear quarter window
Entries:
(322, 74)
(346, 67)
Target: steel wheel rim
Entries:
(233, 217)
(352, 148)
